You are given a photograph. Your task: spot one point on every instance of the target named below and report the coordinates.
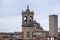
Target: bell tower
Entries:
(27, 17)
(27, 24)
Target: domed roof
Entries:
(35, 22)
(37, 25)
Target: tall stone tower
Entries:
(53, 27)
(27, 24)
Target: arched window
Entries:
(25, 19)
(30, 19)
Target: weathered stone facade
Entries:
(32, 30)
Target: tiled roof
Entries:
(11, 33)
(40, 31)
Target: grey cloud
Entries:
(41, 8)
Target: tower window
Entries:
(30, 19)
(25, 19)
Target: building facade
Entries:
(32, 30)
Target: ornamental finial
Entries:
(27, 6)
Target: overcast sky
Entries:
(10, 13)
